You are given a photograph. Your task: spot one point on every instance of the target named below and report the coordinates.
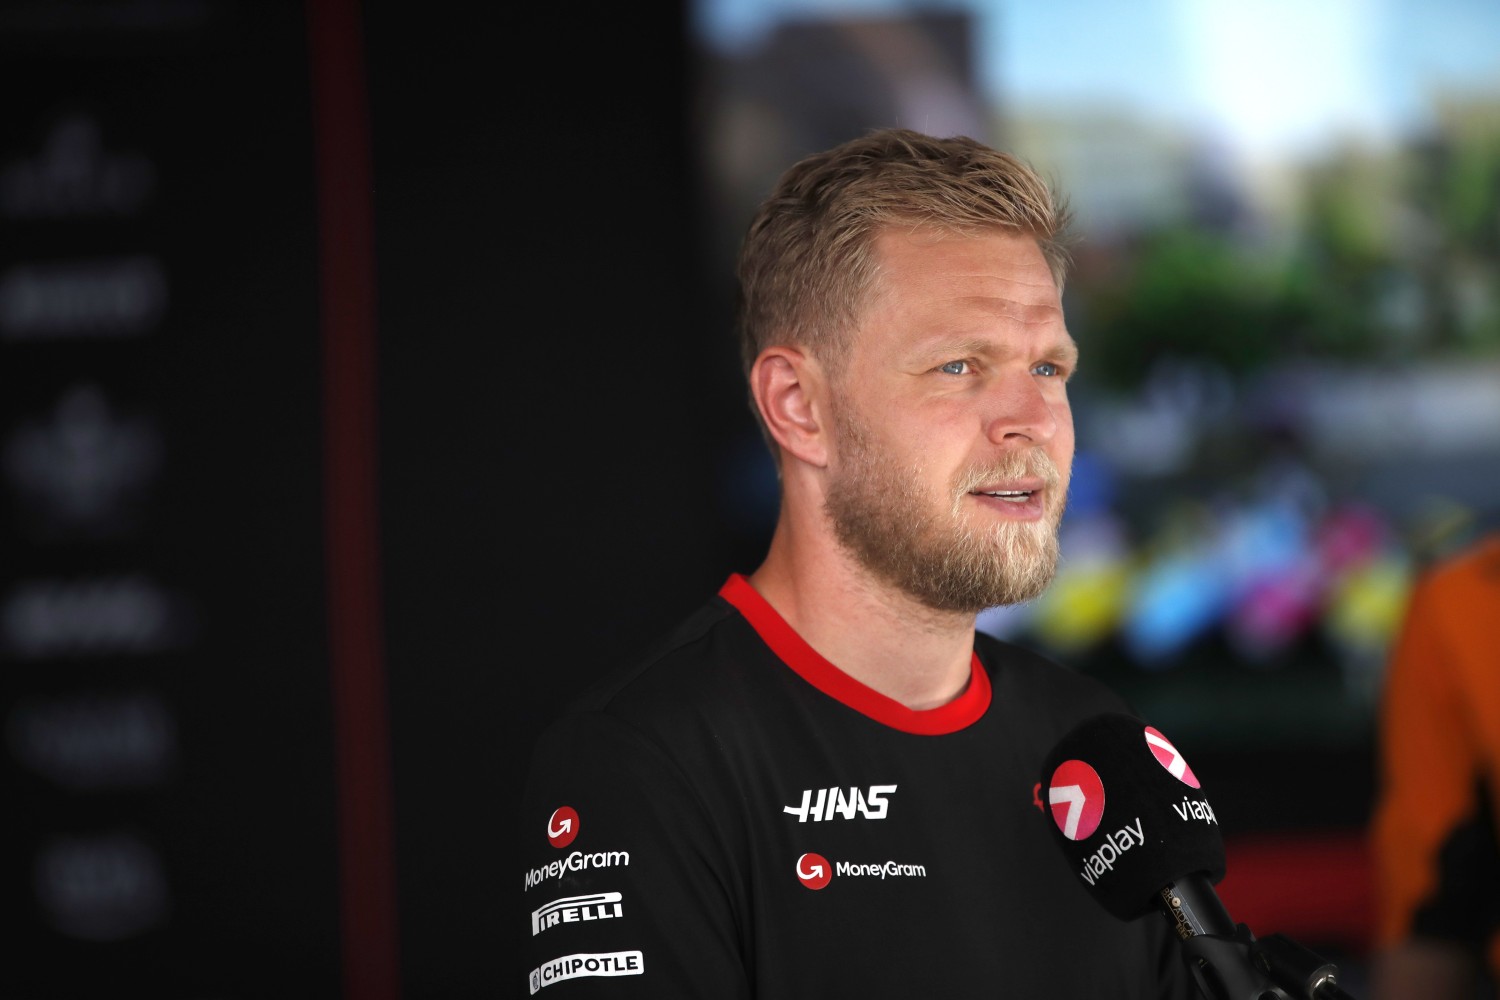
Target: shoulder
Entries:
(1022, 676)
(697, 681)
(1460, 592)
(1011, 662)
(1473, 568)
(667, 663)
(692, 662)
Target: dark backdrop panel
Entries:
(555, 388)
(165, 689)
(552, 406)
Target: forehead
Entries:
(931, 280)
(1003, 256)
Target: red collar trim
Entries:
(817, 671)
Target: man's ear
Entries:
(788, 387)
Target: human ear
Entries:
(785, 383)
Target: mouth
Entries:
(1026, 499)
(1009, 496)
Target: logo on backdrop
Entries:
(1166, 755)
(562, 826)
(1077, 798)
(86, 469)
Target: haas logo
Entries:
(562, 826)
(814, 871)
(1077, 798)
(1168, 757)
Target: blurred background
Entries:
(367, 386)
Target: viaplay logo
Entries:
(562, 826)
(1076, 796)
(1167, 756)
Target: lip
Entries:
(1029, 484)
(1029, 508)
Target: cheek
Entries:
(920, 432)
(1064, 437)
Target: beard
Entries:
(925, 544)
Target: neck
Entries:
(874, 632)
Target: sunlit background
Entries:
(1287, 294)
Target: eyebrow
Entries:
(1063, 349)
(1067, 350)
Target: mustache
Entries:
(1033, 463)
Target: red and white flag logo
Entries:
(1077, 798)
(562, 826)
(1168, 757)
(814, 871)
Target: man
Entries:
(1433, 832)
(824, 784)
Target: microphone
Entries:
(1132, 818)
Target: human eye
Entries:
(955, 368)
(1048, 368)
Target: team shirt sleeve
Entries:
(630, 889)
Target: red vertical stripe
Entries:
(367, 892)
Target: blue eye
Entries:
(953, 367)
(1046, 368)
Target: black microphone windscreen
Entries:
(1129, 813)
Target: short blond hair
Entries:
(806, 261)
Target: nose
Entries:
(1027, 410)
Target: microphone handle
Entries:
(1329, 990)
(1229, 961)
(1218, 951)
(1195, 909)
(1296, 969)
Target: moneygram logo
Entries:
(1077, 798)
(814, 871)
(562, 827)
(576, 862)
(1167, 756)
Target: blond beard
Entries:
(882, 514)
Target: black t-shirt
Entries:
(734, 817)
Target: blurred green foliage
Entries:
(1392, 256)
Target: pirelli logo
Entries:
(577, 909)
